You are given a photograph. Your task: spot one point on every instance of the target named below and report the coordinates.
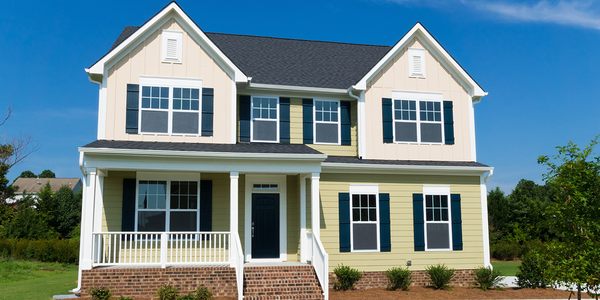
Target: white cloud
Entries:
(579, 13)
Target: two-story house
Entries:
(256, 165)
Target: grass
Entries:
(35, 280)
(507, 268)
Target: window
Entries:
(155, 213)
(327, 122)
(170, 106)
(364, 224)
(172, 46)
(265, 125)
(437, 222)
(418, 121)
(416, 63)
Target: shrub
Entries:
(62, 251)
(440, 276)
(167, 292)
(400, 278)
(187, 297)
(346, 277)
(531, 271)
(202, 293)
(100, 293)
(487, 278)
(506, 250)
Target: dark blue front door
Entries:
(265, 226)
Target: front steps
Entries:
(281, 282)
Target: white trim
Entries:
(232, 113)
(252, 119)
(194, 31)
(404, 169)
(472, 135)
(171, 35)
(365, 190)
(102, 109)
(416, 95)
(437, 190)
(292, 88)
(281, 181)
(338, 123)
(418, 98)
(416, 52)
(484, 219)
(436, 50)
(187, 82)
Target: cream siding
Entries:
(401, 188)
(145, 60)
(395, 77)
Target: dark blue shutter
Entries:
(307, 121)
(205, 205)
(457, 240)
(448, 123)
(384, 223)
(128, 205)
(207, 111)
(344, 215)
(345, 122)
(244, 119)
(418, 222)
(133, 107)
(284, 120)
(388, 123)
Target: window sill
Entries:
(417, 143)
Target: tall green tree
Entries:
(68, 212)
(47, 174)
(573, 216)
(27, 174)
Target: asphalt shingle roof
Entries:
(295, 62)
(203, 147)
(356, 160)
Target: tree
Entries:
(47, 174)
(573, 176)
(48, 206)
(27, 174)
(69, 211)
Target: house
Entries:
(255, 165)
(32, 186)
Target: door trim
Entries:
(281, 181)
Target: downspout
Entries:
(360, 107)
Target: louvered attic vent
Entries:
(172, 46)
(416, 63)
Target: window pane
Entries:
(406, 132)
(429, 213)
(438, 236)
(444, 201)
(355, 201)
(318, 105)
(372, 201)
(372, 214)
(436, 201)
(151, 221)
(436, 215)
(431, 133)
(429, 200)
(364, 214)
(364, 201)
(174, 201)
(326, 133)
(356, 214)
(444, 214)
(183, 221)
(145, 91)
(364, 236)
(264, 130)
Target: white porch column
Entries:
(87, 221)
(314, 205)
(303, 242)
(98, 201)
(233, 201)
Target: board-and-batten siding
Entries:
(401, 188)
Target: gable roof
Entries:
(35, 185)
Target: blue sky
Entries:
(538, 60)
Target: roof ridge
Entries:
(299, 39)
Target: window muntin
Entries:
(265, 119)
(179, 213)
(186, 99)
(437, 222)
(418, 121)
(364, 222)
(155, 97)
(327, 122)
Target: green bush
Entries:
(440, 276)
(346, 277)
(187, 297)
(62, 251)
(487, 278)
(167, 292)
(400, 278)
(100, 293)
(202, 293)
(531, 271)
(506, 250)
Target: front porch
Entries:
(189, 213)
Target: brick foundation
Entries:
(143, 283)
(371, 280)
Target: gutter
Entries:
(402, 169)
(360, 107)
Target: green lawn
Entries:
(507, 268)
(35, 280)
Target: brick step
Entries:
(281, 289)
(282, 281)
(282, 297)
(277, 276)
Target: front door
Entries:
(265, 225)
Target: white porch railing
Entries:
(160, 248)
(320, 262)
(237, 261)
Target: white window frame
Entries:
(412, 52)
(339, 121)
(172, 35)
(168, 178)
(364, 190)
(262, 119)
(170, 83)
(418, 97)
(437, 190)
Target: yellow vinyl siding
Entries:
(401, 188)
(113, 200)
